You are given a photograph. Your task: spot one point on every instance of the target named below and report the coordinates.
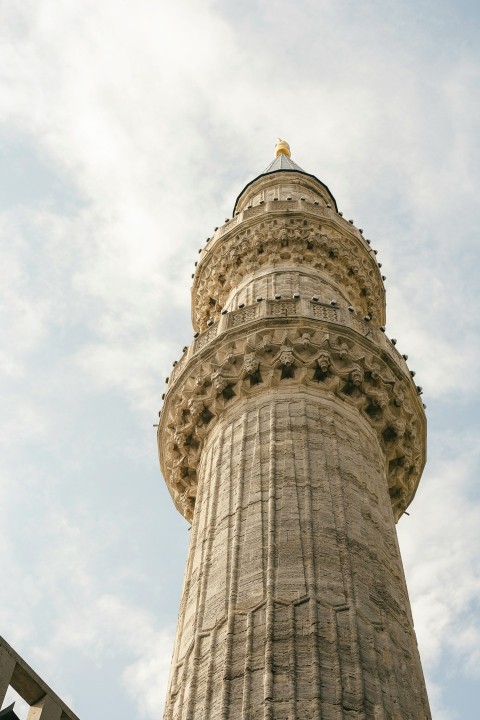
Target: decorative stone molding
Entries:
(287, 190)
(283, 308)
(306, 353)
(276, 241)
(301, 307)
(244, 315)
(287, 281)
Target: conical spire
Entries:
(282, 159)
(282, 163)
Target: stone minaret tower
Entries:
(293, 438)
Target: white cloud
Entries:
(436, 701)
(439, 544)
(150, 117)
(136, 135)
(105, 628)
(23, 321)
(147, 678)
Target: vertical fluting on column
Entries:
(350, 663)
(310, 565)
(278, 630)
(268, 679)
(247, 672)
(232, 593)
(211, 504)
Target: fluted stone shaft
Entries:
(291, 430)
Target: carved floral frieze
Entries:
(276, 241)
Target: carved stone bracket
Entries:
(302, 352)
(300, 307)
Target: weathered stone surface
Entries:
(291, 430)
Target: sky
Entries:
(127, 130)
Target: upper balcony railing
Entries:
(289, 307)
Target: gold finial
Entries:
(282, 148)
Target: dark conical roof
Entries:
(282, 162)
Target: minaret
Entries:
(293, 438)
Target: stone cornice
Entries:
(300, 307)
(279, 178)
(279, 234)
(327, 350)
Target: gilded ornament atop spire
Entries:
(282, 148)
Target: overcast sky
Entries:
(127, 131)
